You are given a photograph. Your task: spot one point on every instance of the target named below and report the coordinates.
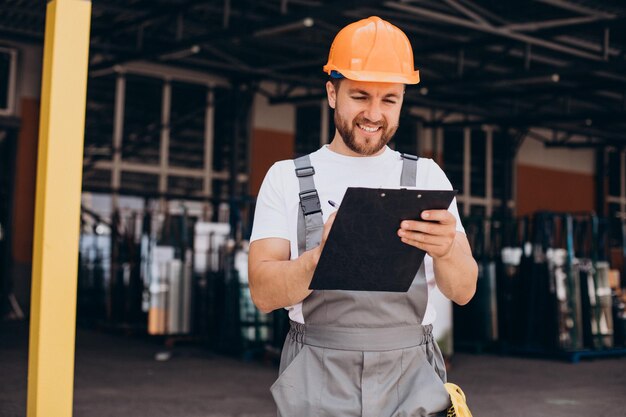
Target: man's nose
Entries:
(373, 112)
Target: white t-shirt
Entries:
(278, 204)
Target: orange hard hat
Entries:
(372, 49)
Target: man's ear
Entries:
(331, 94)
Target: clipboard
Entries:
(363, 251)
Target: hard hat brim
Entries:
(378, 77)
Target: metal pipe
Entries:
(118, 132)
(183, 53)
(166, 106)
(307, 22)
(208, 142)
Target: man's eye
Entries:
(358, 98)
(390, 101)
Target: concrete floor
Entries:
(119, 376)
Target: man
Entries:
(357, 353)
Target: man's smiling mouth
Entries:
(368, 128)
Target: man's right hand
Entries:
(275, 280)
(325, 233)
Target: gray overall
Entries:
(359, 353)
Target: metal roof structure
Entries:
(558, 64)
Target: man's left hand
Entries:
(435, 234)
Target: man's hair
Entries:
(336, 82)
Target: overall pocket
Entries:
(297, 390)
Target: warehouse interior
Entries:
(189, 102)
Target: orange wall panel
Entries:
(25, 175)
(553, 190)
(267, 147)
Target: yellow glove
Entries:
(459, 406)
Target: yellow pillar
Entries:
(57, 209)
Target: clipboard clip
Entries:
(310, 202)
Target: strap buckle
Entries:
(409, 156)
(305, 172)
(310, 202)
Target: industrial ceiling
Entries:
(558, 64)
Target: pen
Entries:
(333, 204)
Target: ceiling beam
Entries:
(554, 23)
(467, 12)
(147, 14)
(241, 32)
(408, 24)
(577, 8)
(485, 12)
(609, 70)
(453, 20)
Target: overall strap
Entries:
(409, 170)
(310, 223)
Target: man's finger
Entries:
(427, 247)
(330, 221)
(423, 239)
(441, 216)
(328, 225)
(431, 228)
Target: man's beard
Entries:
(371, 145)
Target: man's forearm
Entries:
(277, 284)
(456, 274)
